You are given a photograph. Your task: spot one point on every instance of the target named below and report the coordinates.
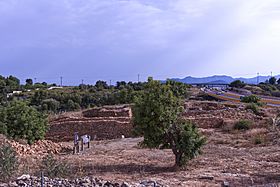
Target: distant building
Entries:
(13, 93)
(54, 87)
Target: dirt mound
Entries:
(40, 148)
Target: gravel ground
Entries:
(227, 157)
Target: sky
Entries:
(120, 39)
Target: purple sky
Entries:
(118, 39)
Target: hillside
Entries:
(222, 79)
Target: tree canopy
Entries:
(19, 121)
(237, 84)
(157, 116)
(272, 80)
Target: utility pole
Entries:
(82, 81)
(61, 78)
(138, 78)
(110, 82)
(271, 74)
(258, 76)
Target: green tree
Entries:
(19, 121)
(13, 83)
(272, 80)
(50, 105)
(38, 97)
(237, 84)
(179, 89)
(121, 85)
(29, 82)
(3, 89)
(101, 85)
(71, 105)
(157, 115)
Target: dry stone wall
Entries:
(209, 114)
(108, 122)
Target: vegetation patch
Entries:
(254, 107)
(52, 167)
(20, 121)
(259, 139)
(250, 99)
(8, 162)
(242, 125)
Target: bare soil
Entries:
(226, 157)
(242, 158)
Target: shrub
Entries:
(242, 125)
(250, 99)
(258, 140)
(19, 121)
(254, 107)
(53, 167)
(8, 162)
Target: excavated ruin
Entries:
(109, 122)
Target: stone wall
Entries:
(108, 122)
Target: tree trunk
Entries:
(178, 159)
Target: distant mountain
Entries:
(222, 79)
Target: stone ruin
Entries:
(109, 122)
(108, 111)
(209, 114)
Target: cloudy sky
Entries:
(119, 39)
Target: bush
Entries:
(20, 121)
(250, 99)
(242, 125)
(53, 167)
(258, 140)
(254, 107)
(8, 162)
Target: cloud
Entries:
(164, 38)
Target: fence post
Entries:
(42, 179)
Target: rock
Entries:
(12, 184)
(108, 184)
(125, 184)
(21, 183)
(206, 177)
(28, 181)
(24, 177)
(225, 184)
(149, 184)
(3, 185)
